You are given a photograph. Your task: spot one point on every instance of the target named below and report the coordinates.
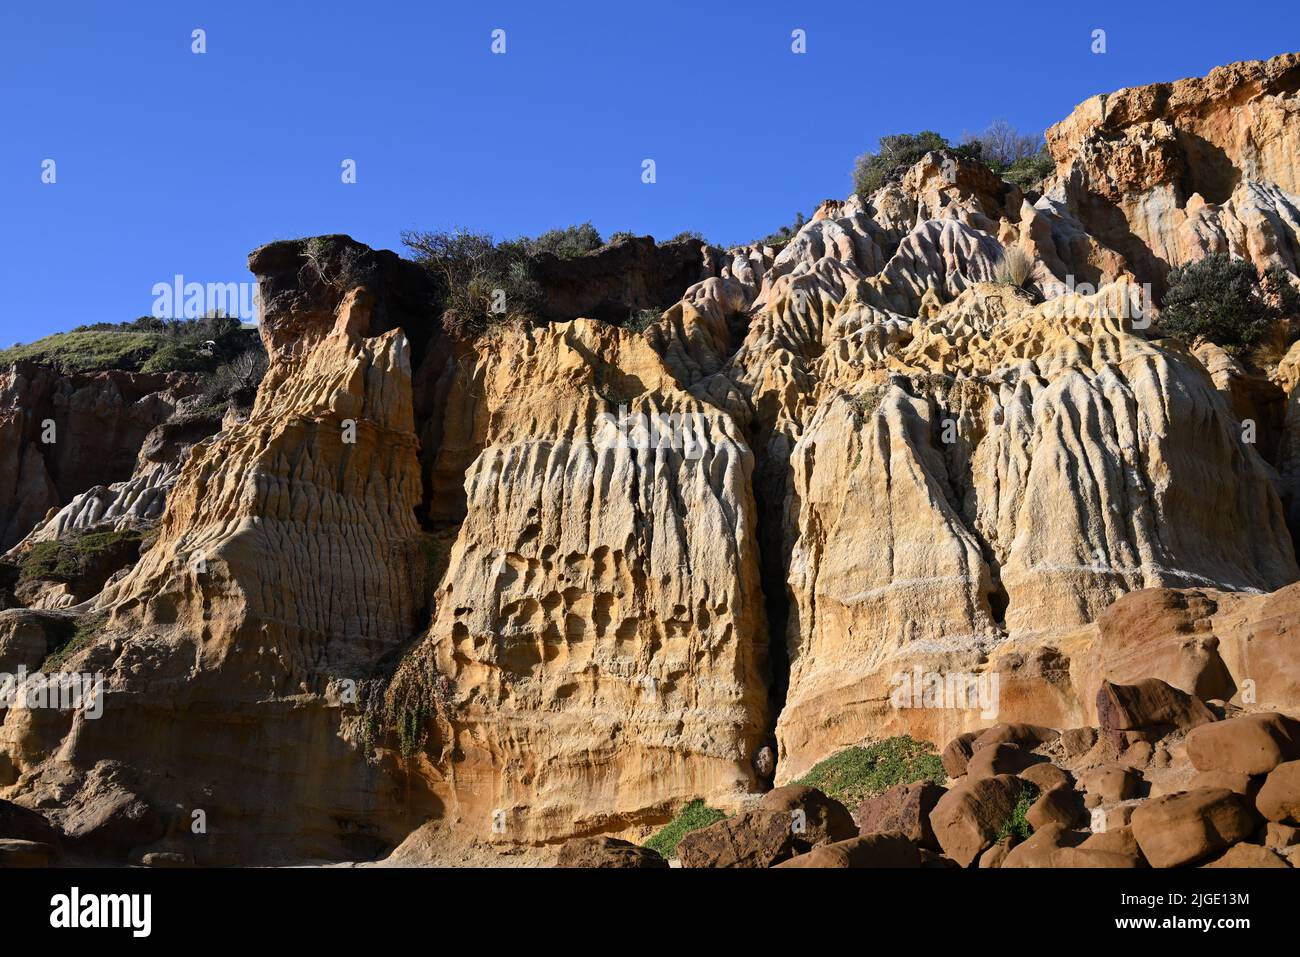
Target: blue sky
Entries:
(170, 162)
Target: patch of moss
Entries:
(82, 636)
(1016, 825)
(855, 774)
(694, 816)
(68, 558)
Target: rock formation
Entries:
(561, 579)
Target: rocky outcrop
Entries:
(625, 276)
(1165, 174)
(560, 580)
(64, 434)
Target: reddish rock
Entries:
(751, 839)
(1279, 798)
(887, 849)
(1152, 706)
(1190, 825)
(904, 808)
(958, 752)
(1248, 855)
(1248, 744)
(1060, 805)
(967, 819)
(1108, 784)
(1000, 759)
(814, 818)
(607, 852)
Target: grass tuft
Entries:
(694, 816)
(855, 774)
(1016, 826)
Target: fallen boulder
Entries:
(756, 838)
(1247, 744)
(1279, 798)
(601, 851)
(967, 819)
(1190, 825)
(886, 849)
(814, 818)
(904, 808)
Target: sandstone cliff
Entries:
(561, 579)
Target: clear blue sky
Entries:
(170, 162)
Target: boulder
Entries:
(884, 849)
(956, 755)
(1069, 857)
(814, 818)
(1108, 784)
(1060, 805)
(1278, 836)
(995, 855)
(599, 851)
(23, 824)
(1078, 741)
(1027, 736)
(1279, 798)
(1248, 855)
(1117, 840)
(1046, 776)
(1151, 706)
(1190, 825)
(1243, 784)
(905, 808)
(111, 821)
(1159, 633)
(754, 838)
(1103, 819)
(1040, 848)
(967, 819)
(1001, 758)
(1247, 744)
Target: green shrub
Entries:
(83, 635)
(1016, 826)
(897, 153)
(1220, 299)
(1028, 172)
(639, 320)
(694, 816)
(855, 774)
(565, 243)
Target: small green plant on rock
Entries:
(1015, 825)
(82, 635)
(858, 773)
(694, 816)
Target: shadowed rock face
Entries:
(99, 421)
(625, 276)
(561, 580)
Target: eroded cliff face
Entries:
(1165, 174)
(563, 579)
